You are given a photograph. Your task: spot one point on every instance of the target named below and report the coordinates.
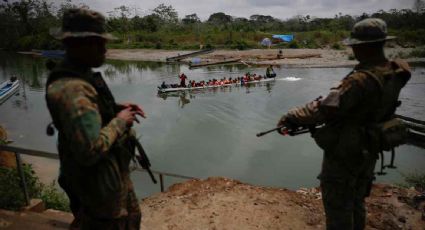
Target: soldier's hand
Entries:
(287, 123)
(135, 108)
(128, 115)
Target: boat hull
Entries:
(8, 90)
(167, 90)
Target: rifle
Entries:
(288, 131)
(143, 159)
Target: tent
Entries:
(284, 37)
(266, 42)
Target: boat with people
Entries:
(7, 88)
(192, 85)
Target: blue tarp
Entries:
(284, 37)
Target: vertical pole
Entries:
(22, 177)
(161, 181)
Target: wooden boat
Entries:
(7, 89)
(214, 63)
(167, 90)
(183, 56)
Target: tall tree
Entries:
(419, 6)
(220, 18)
(190, 19)
(166, 13)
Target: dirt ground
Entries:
(298, 58)
(220, 203)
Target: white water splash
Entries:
(289, 79)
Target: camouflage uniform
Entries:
(94, 147)
(366, 96)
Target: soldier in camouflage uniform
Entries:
(95, 133)
(365, 97)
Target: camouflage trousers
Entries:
(344, 199)
(129, 222)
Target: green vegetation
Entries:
(12, 197)
(414, 179)
(418, 52)
(26, 25)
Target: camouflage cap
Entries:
(81, 22)
(368, 31)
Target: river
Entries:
(211, 132)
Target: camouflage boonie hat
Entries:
(78, 23)
(368, 31)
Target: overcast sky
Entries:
(282, 9)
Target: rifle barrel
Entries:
(269, 131)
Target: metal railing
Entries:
(18, 151)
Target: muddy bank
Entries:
(220, 203)
(292, 58)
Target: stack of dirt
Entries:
(220, 203)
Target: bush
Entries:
(294, 44)
(414, 179)
(418, 52)
(11, 193)
(337, 46)
(53, 198)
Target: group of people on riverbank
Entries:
(248, 77)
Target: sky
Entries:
(281, 9)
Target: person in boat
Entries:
(356, 115)
(183, 79)
(270, 72)
(163, 85)
(94, 132)
(13, 79)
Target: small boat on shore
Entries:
(7, 89)
(166, 90)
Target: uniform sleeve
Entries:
(339, 103)
(82, 124)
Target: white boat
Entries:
(7, 89)
(166, 90)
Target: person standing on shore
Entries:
(95, 134)
(355, 115)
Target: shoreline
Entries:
(292, 58)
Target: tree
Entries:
(419, 6)
(220, 18)
(166, 13)
(261, 18)
(190, 19)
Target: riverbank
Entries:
(221, 203)
(291, 58)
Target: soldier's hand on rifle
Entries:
(287, 123)
(128, 115)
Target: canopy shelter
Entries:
(284, 37)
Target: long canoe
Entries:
(214, 63)
(183, 56)
(166, 90)
(7, 89)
